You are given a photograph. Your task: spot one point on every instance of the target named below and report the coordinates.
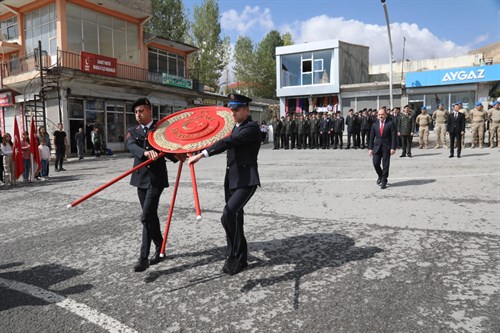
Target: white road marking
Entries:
(100, 319)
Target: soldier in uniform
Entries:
(338, 129)
(241, 180)
(350, 121)
(477, 117)
(287, 126)
(300, 131)
(307, 132)
(423, 121)
(324, 131)
(276, 124)
(294, 129)
(396, 113)
(365, 121)
(440, 118)
(494, 119)
(463, 111)
(282, 133)
(150, 181)
(314, 129)
(406, 129)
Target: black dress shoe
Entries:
(62, 169)
(228, 265)
(383, 186)
(450, 156)
(141, 265)
(409, 155)
(379, 180)
(156, 258)
(458, 156)
(237, 267)
(402, 155)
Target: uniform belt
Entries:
(496, 121)
(442, 123)
(478, 121)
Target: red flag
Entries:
(35, 154)
(17, 151)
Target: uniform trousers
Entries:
(149, 199)
(406, 144)
(338, 139)
(276, 139)
(440, 130)
(423, 136)
(384, 156)
(494, 132)
(477, 133)
(232, 220)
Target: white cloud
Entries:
(420, 42)
(480, 39)
(251, 18)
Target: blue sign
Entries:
(453, 76)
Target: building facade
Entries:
(83, 63)
(332, 75)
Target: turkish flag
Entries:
(35, 153)
(17, 151)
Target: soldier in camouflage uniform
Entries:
(477, 117)
(494, 119)
(423, 121)
(440, 118)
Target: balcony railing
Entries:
(23, 64)
(72, 60)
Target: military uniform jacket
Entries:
(300, 126)
(406, 124)
(325, 125)
(338, 125)
(314, 129)
(277, 125)
(350, 121)
(155, 173)
(242, 147)
(365, 123)
(287, 127)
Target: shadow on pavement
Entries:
(422, 155)
(412, 182)
(474, 155)
(42, 277)
(306, 253)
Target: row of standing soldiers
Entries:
(322, 131)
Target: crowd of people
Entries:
(333, 131)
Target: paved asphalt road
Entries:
(329, 250)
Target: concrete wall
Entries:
(353, 63)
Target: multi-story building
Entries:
(83, 63)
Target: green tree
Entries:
(265, 70)
(287, 39)
(212, 56)
(244, 64)
(169, 20)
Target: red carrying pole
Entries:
(171, 209)
(195, 192)
(102, 187)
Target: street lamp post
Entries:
(403, 60)
(390, 50)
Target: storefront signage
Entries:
(6, 98)
(177, 81)
(97, 64)
(453, 76)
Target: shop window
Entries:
(467, 98)
(75, 107)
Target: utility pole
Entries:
(391, 57)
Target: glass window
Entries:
(172, 65)
(290, 70)
(306, 78)
(163, 62)
(104, 20)
(89, 15)
(432, 100)
(75, 107)
(115, 126)
(74, 34)
(9, 28)
(40, 25)
(105, 47)
(120, 45)
(90, 37)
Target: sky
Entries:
(432, 28)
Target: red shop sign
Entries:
(6, 98)
(97, 64)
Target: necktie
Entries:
(456, 115)
(381, 128)
(145, 130)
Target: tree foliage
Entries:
(212, 56)
(169, 20)
(244, 64)
(265, 71)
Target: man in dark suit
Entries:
(241, 180)
(150, 181)
(382, 144)
(456, 128)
